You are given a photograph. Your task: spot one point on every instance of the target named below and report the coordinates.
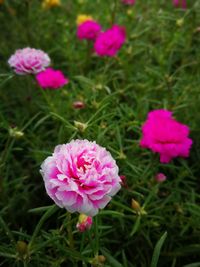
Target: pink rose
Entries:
(29, 61)
(109, 42)
(81, 176)
(88, 30)
(52, 79)
(166, 136)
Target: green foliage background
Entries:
(158, 67)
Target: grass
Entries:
(158, 67)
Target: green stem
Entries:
(69, 231)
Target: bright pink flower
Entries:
(81, 176)
(88, 30)
(29, 61)
(166, 136)
(180, 3)
(84, 223)
(128, 2)
(160, 177)
(109, 42)
(51, 79)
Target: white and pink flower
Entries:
(81, 176)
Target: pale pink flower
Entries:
(180, 3)
(128, 2)
(160, 177)
(52, 79)
(166, 136)
(81, 176)
(109, 42)
(29, 61)
(88, 30)
(84, 223)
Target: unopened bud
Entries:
(135, 205)
(160, 177)
(80, 126)
(78, 105)
(84, 223)
(98, 261)
(15, 133)
(180, 22)
(22, 249)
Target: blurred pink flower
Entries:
(166, 136)
(160, 177)
(128, 2)
(109, 42)
(180, 3)
(52, 79)
(29, 61)
(88, 30)
(81, 176)
(84, 223)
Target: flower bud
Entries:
(14, 132)
(98, 261)
(84, 223)
(78, 105)
(80, 126)
(22, 249)
(160, 177)
(135, 205)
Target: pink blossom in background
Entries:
(29, 61)
(180, 3)
(164, 135)
(160, 177)
(88, 30)
(109, 42)
(52, 79)
(84, 223)
(81, 176)
(128, 2)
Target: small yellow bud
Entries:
(180, 22)
(22, 249)
(98, 261)
(15, 133)
(135, 205)
(80, 126)
(50, 3)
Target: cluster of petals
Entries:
(51, 79)
(29, 61)
(109, 42)
(88, 30)
(84, 223)
(81, 176)
(180, 3)
(166, 136)
(128, 2)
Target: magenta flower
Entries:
(29, 61)
(88, 30)
(84, 223)
(109, 42)
(180, 3)
(52, 79)
(81, 176)
(166, 136)
(128, 2)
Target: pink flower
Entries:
(180, 3)
(81, 176)
(29, 61)
(88, 30)
(51, 78)
(160, 177)
(109, 42)
(84, 223)
(128, 2)
(166, 136)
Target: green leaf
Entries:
(157, 250)
(113, 262)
